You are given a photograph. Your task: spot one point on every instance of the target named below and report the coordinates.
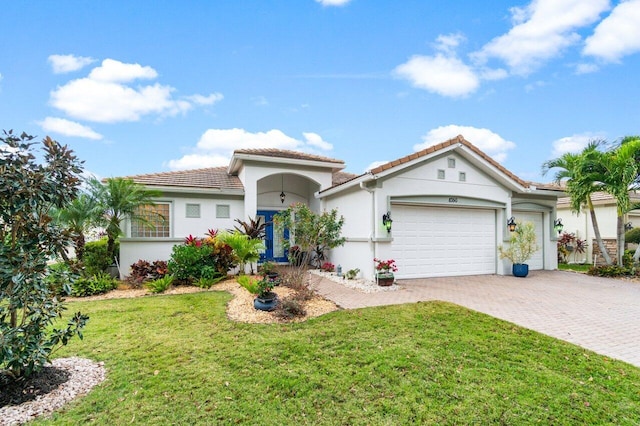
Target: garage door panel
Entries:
(437, 241)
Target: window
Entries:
(462, 177)
(452, 163)
(156, 221)
(193, 210)
(223, 211)
(440, 174)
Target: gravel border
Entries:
(84, 375)
(359, 284)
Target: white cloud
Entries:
(68, 128)
(315, 140)
(573, 143)
(586, 68)
(489, 142)
(441, 74)
(541, 31)
(333, 2)
(104, 96)
(216, 146)
(617, 35)
(206, 100)
(67, 63)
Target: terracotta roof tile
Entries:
(434, 148)
(600, 198)
(283, 153)
(209, 178)
(339, 178)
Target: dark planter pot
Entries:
(266, 302)
(520, 270)
(273, 277)
(385, 279)
(113, 271)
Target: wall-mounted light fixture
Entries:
(628, 226)
(282, 194)
(386, 221)
(557, 225)
(511, 224)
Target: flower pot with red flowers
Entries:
(384, 271)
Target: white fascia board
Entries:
(238, 159)
(367, 177)
(491, 170)
(195, 190)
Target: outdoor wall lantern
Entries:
(282, 194)
(557, 225)
(386, 221)
(628, 226)
(511, 224)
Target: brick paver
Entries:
(599, 314)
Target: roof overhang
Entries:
(238, 160)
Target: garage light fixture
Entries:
(557, 225)
(511, 224)
(386, 221)
(282, 194)
(628, 226)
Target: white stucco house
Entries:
(581, 225)
(449, 204)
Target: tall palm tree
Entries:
(120, 198)
(79, 216)
(582, 174)
(620, 175)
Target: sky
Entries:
(142, 86)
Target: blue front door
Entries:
(274, 241)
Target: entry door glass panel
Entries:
(274, 241)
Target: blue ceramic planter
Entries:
(520, 270)
(266, 302)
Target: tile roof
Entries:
(209, 178)
(283, 153)
(457, 140)
(600, 198)
(338, 178)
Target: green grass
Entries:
(179, 360)
(577, 267)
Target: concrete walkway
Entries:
(599, 314)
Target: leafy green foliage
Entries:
(633, 236)
(90, 286)
(522, 244)
(29, 192)
(311, 232)
(245, 248)
(78, 217)
(255, 228)
(568, 243)
(257, 286)
(142, 271)
(351, 274)
(209, 258)
(160, 285)
(96, 258)
(608, 271)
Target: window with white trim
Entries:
(223, 211)
(155, 223)
(440, 174)
(462, 177)
(452, 163)
(192, 210)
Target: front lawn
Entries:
(577, 267)
(179, 360)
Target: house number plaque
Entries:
(453, 199)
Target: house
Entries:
(449, 205)
(581, 225)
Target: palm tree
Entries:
(246, 248)
(120, 198)
(620, 175)
(582, 174)
(79, 216)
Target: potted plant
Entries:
(522, 245)
(268, 270)
(266, 299)
(384, 271)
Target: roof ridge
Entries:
(173, 172)
(296, 154)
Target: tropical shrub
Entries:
(95, 257)
(160, 285)
(522, 244)
(352, 273)
(29, 237)
(327, 267)
(247, 249)
(90, 286)
(208, 258)
(289, 308)
(254, 285)
(59, 277)
(142, 271)
(608, 271)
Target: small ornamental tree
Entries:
(311, 232)
(28, 239)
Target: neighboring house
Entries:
(581, 226)
(449, 204)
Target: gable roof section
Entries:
(215, 178)
(600, 198)
(271, 155)
(485, 162)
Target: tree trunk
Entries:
(620, 240)
(596, 231)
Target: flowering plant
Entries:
(327, 267)
(385, 265)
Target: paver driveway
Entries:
(599, 314)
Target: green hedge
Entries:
(95, 257)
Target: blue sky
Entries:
(152, 86)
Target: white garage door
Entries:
(440, 241)
(537, 260)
